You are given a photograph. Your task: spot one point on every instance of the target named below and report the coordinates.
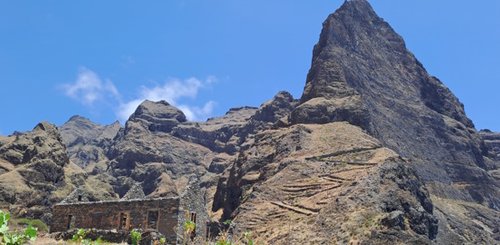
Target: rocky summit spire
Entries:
(360, 61)
(362, 73)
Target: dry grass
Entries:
(14, 182)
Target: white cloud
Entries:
(126, 109)
(172, 91)
(194, 113)
(88, 88)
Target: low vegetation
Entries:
(135, 236)
(80, 237)
(8, 237)
(39, 224)
(225, 238)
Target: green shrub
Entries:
(4, 221)
(163, 240)
(225, 238)
(223, 242)
(79, 236)
(189, 231)
(14, 238)
(99, 241)
(189, 227)
(135, 236)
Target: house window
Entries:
(123, 221)
(153, 219)
(71, 222)
(207, 231)
(79, 198)
(193, 217)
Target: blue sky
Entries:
(100, 58)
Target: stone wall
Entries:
(192, 202)
(119, 215)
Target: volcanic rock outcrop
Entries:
(376, 151)
(87, 143)
(363, 74)
(145, 152)
(32, 171)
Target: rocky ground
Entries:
(375, 151)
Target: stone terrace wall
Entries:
(108, 215)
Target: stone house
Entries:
(165, 215)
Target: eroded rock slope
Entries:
(375, 151)
(32, 174)
(363, 74)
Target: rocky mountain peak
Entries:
(86, 141)
(361, 7)
(362, 73)
(81, 127)
(47, 127)
(155, 117)
(277, 108)
(160, 109)
(78, 118)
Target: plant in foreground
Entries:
(163, 240)
(135, 236)
(40, 225)
(189, 231)
(14, 238)
(79, 236)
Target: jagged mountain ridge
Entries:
(86, 142)
(375, 151)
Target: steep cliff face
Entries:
(408, 110)
(360, 58)
(491, 148)
(363, 74)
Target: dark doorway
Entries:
(71, 222)
(193, 219)
(153, 219)
(123, 221)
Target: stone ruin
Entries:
(114, 219)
